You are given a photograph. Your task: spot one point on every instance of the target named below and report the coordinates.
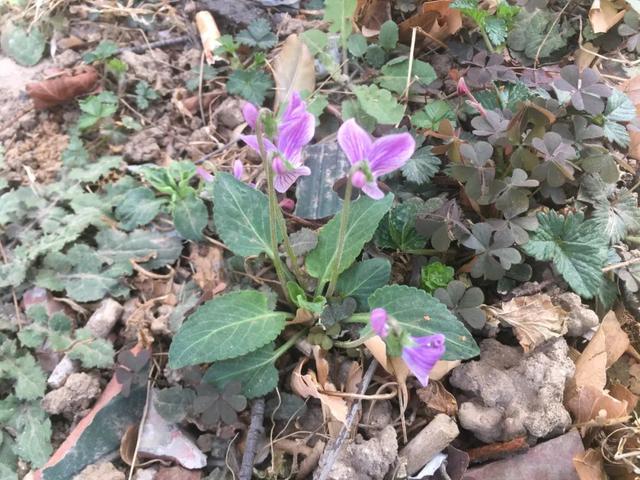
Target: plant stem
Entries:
(289, 249)
(282, 349)
(344, 220)
(486, 40)
(273, 207)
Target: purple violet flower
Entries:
(379, 322)
(238, 170)
(295, 130)
(204, 175)
(373, 158)
(422, 356)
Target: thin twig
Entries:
(255, 428)
(145, 412)
(616, 266)
(334, 449)
(546, 37)
(170, 42)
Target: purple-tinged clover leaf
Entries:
(478, 172)
(464, 303)
(494, 251)
(373, 158)
(556, 168)
(493, 125)
(584, 87)
(296, 128)
(513, 197)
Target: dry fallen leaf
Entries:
(293, 69)
(584, 58)
(634, 144)
(371, 14)
(593, 406)
(207, 262)
(589, 465)
(64, 87)
(535, 319)
(438, 399)
(603, 15)
(209, 35)
(435, 22)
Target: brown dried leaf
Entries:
(435, 22)
(622, 393)
(208, 266)
(535, 319)
(591, 405)
(293, 69)
(632, 88)
(371, 14)
(590, 465)
(307, 385)
(64, 87)
(603, 15)
(438, 399)
(634, 144)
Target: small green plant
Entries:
(145, 94)
(493, 27)
(435, 275)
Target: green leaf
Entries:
(173, 403)
(397, 229)
(364, 217)
(258, 34)
(144, 93)
(96, 108)
(90, 351)
(375, 56)
(104, 50)
(190, 216)
(432, 114)
(255, 371)
(252, 85)
(409, 306)
(33, 442)
(619, 107)
(241, 216)
(8, 408)
(228, 326)
(30, 379)
(357, 45)
(138, 207)
(537, 30)
(363, 278)
(616, 132)
(421, 167)
(496, 29)
(75, 155)
(435, 275)
(95, 170)
(24, 46)
(388, 36)
(394, 74)
(339, 14)
(380, 104)
(577, 248)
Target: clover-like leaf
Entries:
(465, 303)
(173, 403)
(212, 405)
(513, 197)
(492, 125)
(557, 167)
(478, 171)
(442, 224)
(630, 29)
(516, 226)
(494, 252)
(584, 88)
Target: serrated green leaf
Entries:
(363, 278)
(576, 247)
(30, 379)
(397, 229)
(252, 85)
(432, 114)
(190, 216)
(94, 170)
(422, 166)
(226, 327)
(619, 107)
(496, 29)
(531, 33)
(24, 46)
(138, 207)
(104, 50)
(394, 74)
(388, 36)
(96, 108)
(8, 408)
(411, 307)
(33, 442)
(616, 132)
(380, 104)
(258, 34)
(339, 14)
(364, 217)
(241, 216)
(173, 403)
(255, 371)
(8, 472)
(91, 352)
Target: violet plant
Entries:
(327, 289)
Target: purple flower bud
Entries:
(250, 114)
(379, 322)
(358, 179)
(204, 175)
(423, 355)
(462, 87)
(238, 169)
(287, 204)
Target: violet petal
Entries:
(354, 141)
(372, 190)
(379, 322)
(250, 113)
(282, 182)
(391, 152)
(423, 355)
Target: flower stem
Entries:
(273, 206)
(344, 220)
(289, 249)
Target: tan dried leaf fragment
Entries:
(293, 69)
(535, 319)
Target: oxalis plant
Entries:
(244, 332)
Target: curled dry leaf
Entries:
(438, 399)
(590, 465)
(293, 69)
(307, 385)
(64, 87)
(535, 319)
(209, 35)
(208, 265)
(435, 22)
(371, 14)
(603, 15)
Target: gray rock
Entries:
(76, 395)
(581, 318)
(104, 318)
(513, 394)
(103, 471)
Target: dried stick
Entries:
(336, 446)
(171, 42)
(255, 428)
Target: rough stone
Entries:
(103, 471)
(68, 58)
(366, 459)
(104, 318)
(511, 394)
(150, 67)
(581, 319)
(431, 440)
(76, 395)
(142, 148)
